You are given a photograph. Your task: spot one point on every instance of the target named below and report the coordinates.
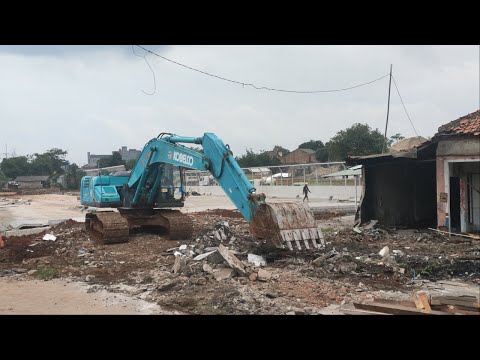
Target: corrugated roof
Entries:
(31, 178)
(308, 151)
(354, 170)
(408, 143)
(468, 124)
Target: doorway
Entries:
(455, 203)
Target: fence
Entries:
(281, 175)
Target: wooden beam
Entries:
(424, 300)
(395, 309)
(468, 302)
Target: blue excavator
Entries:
(149, 194)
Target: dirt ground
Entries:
(348, 268)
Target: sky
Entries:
(84, 98)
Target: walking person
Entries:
(306, 190)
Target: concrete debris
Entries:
(232, 260)
(182, 247)
(346, 268)
(49, 237)
(357, 230)
(370, 225)
(180, 264)
(256, 260)
(223, 273)
(253, 276)
(207, 268)
(384, 252)
(264, 275)
(89, 278)
(204, 255)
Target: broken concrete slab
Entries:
(232, 260)
(346, 268)
(223, 273)
(49, 237)
(384, 252)
(180, 264)
(370, 225)
(207, 268)
(264, 275)
(204, 256)
(357, 230)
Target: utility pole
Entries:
(388, 110)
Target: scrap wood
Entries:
(353, 311)
(456, 310)
(370, 225)
(395, 309)
(470, 236)
(464, 301)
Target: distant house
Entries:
(92, 159)
(32, 182)
(299, 156)
(458, 174)
(125, 153)
(130, 154)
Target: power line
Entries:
(406, 112)
(258, 87)
(154, 80)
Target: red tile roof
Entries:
(468, 124)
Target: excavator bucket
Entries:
(287, 224)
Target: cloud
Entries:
(89, 98)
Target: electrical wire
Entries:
(254, 86)
(154, 79)
(406, 112)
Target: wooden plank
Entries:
(361, 312)
(469, 302)
(349, 309)
(395, 309)
(424, 300)
(455, 310)
(420, 302)
(456, 234)
(406, 303)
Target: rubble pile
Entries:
(222, 269)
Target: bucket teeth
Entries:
(287, 225)
(311, 238)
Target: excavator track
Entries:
(180, 225)
(174, 223)
(107, 227)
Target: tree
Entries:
(74, 176)
(15, 166)
(279, 149)
(129, 164)
(395, 138)
(262, 158)
(357, 140)
(113, 160)
(3, 179)
(321, 152)
(312, 145)
(49, 163)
